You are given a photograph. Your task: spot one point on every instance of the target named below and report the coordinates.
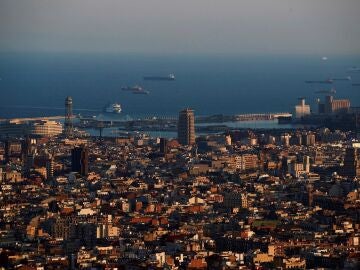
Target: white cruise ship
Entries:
(113, 108)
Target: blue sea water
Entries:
(37, 84)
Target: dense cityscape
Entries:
(239, 199)
(179, 135)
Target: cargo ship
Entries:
(348, 78)
(132, 88)
(141, 92)
(331, 91)
(170, 77)
(329, 81)
(354, 69)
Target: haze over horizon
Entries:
(322, 27)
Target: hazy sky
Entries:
(181, 26)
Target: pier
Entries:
(261, 116)
(242, 117)
(34, 118)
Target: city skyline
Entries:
(197, 135)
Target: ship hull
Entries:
(155, 78)
(140, 93)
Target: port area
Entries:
(220, 118)
(204, 124)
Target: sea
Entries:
(36, 84)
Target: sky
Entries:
(322, 27)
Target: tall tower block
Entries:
(68, 126)
(80, 160)
(186, 127)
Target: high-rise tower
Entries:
(310, 195)
(351, 166)
(80, 160)
(186, 127)
(68, 127)
(49, 167)
(163, 146)
(357, 125)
